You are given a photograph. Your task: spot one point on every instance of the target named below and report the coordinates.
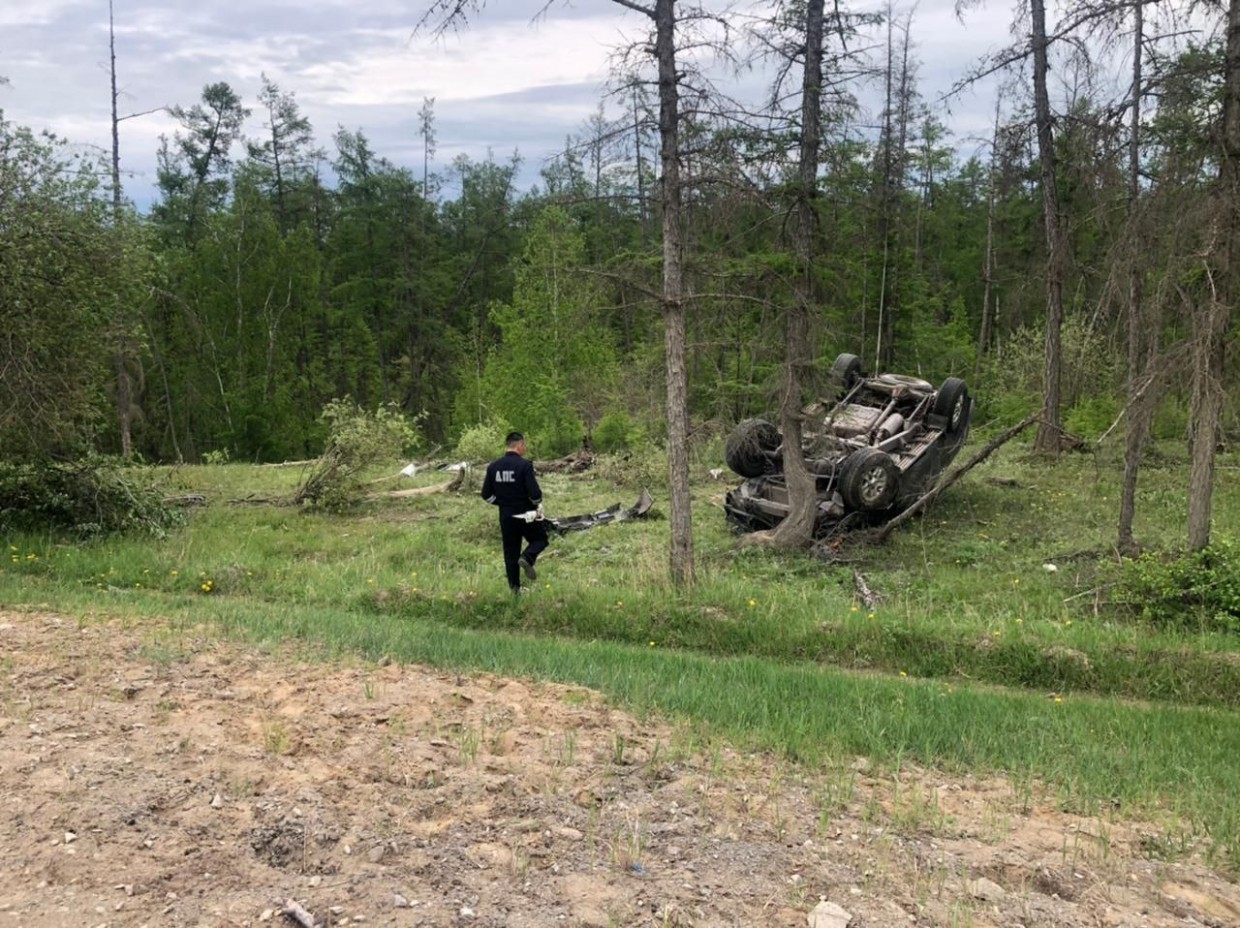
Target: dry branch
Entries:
(864, 593)
(921, 504)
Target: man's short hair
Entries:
(514, 439)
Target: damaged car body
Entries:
(874, 449)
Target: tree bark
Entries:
(986, 336)
(121, 354)
(1049, 428)
(1211, 321)
(1138, 402)
(797, 528)
(681, 555)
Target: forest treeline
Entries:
(278, 269)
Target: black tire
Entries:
(869, 480)
(952, 403)
(747, 450)
(846, 373)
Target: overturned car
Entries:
(875, 447)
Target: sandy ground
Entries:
(176, 780)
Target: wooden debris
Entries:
(189, 499)
(448, 486)
(574, 463)
(883, 533)
(869, 597)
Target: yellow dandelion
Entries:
(904, 673)
(753, 602)
(1058, 699)
(856, 608)
(619, 602)
(872, 615)
(652, 644)
(175, 573)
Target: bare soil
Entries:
(163, 778)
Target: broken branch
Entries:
(955, 475)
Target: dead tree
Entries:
(798, 527)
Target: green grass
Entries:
(978, 658)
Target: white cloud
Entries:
(503, 83)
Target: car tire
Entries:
(749, 447)
(846, 373)
(952, 403)
(869, 480)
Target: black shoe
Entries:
(530, 572)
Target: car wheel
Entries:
(869, 480)
(749, 447)
(952, 403)
(846, 373)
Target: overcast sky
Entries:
(507, 83)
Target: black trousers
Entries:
(513, 532)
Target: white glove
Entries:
(526, 516)
(539, 513)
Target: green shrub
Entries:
(643, 468)
(1091, 416)
(617, 431)
(1194, 590)
(356, 440)
(480, 443)
(1171, 420)
(88, 497)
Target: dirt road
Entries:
(150, 777)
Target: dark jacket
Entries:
(511, 485)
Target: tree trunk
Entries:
(1211, 321)
(1139, 404)
(681, 558)
(986, 336)
(1049, 430)
(798, 526)
(121, 354)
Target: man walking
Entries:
(511, 485)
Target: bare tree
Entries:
(1049, 428)
(1212, 318)
(989, 311)
(798, 527)
(447, 14)
(1138, 403)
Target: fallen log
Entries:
(883, 533)
(448, 486)
(189, 499)
(574, 463)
